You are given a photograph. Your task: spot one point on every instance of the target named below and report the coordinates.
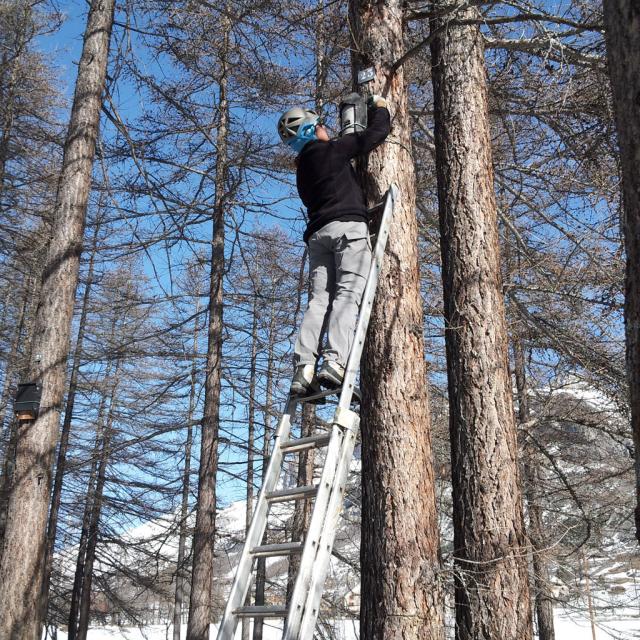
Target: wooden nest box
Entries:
(27, 401)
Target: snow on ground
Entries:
(165, 632)
(578, 627)
(568, 627)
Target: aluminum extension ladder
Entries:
(302, 612)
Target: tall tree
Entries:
(200, 611)
(622, 20)
(492, 592)
(25, 538)
(401, 589)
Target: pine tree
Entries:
(622, 19)
(401, 582)
(21, 571)
(200, 610)
(489, 537)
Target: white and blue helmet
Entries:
(297, 126)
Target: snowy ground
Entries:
(568, 627)
(574, 627)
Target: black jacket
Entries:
(326, 180)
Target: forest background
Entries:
(181, 73)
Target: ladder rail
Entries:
(314, 564)
(327, 537)
(312, 539)
(241, 582)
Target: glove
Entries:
(377, 102)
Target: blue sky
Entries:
(63, 49)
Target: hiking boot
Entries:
(304, 381)
(331, 374)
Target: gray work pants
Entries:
(339, 261)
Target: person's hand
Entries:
(377, 101)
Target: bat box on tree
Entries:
(27, 401)
(353, 114)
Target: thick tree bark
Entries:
(22, 565)
(200, 611)
(186, 476)
(492, 592)
(64, 435)
(541, 573)
(622, 21)
(400, 555)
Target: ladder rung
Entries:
(261, 612)
(295, 493)
(319, 395)
(284, 549)
(328, 392)
(376, 207)
(310, 442)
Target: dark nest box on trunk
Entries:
(353, 109)
(27, 401)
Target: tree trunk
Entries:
(200, 611)
(587, 586)
(76, 593)
(541, 573)
(22, 565)
(261, 564)
(184, 507)
(246, 623)
(94, 519)
(622, 21)
(492, 592)
(64, 435)
(400, 554)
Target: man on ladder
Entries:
(344, 278)
(337, 236)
